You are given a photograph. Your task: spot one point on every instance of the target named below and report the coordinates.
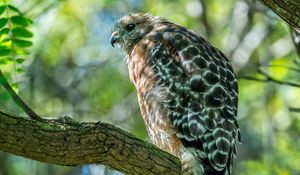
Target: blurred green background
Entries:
(73, 70)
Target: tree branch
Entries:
(296, 39)
(18, 99)
(65, 142)
(288, 10)
(269, 78)
(293, 109)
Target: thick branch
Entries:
(288, 10)
(64, 142)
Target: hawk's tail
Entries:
(192, 165)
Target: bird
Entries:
(187, 92)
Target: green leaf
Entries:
(22, 43)
(20, 20)
(21, 51)
(15, 9)
(4, 31)
(20, 69)
(20, 60)
(3, 22)
(7, 39)
(29, 21)
(15, 85)
(2, 9)
(4, 51)
(21, 32)
(5, 61)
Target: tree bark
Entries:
(66, 142)
(288, 10)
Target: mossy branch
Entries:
(288, 10)
(66, 142)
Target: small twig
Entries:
(204, 19)
(280, 66)
(296, 39)
(246, 77)
(293, 109)
(268, 78)
(17, 99)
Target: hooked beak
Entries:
(114, 38)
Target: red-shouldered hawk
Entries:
(187, 92)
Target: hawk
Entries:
(187, 92)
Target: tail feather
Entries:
(199, 167)
(195, 162)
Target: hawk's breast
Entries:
(152, 97)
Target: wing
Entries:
(203, 93)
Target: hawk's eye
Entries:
(130, 27)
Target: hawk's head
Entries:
(131, 28)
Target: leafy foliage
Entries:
(15, 37)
